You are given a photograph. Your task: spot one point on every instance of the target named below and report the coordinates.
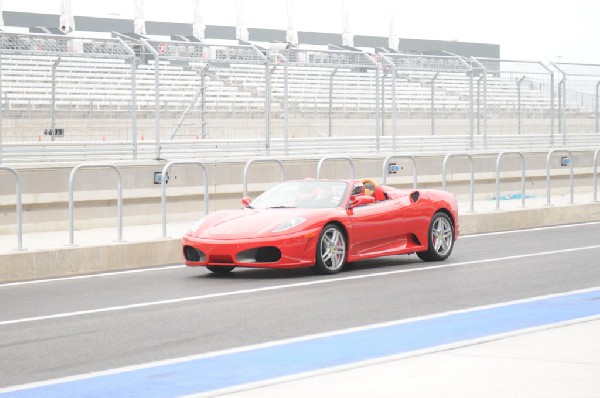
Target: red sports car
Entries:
(323, 224)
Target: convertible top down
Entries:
(324, 224)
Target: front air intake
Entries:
(193, 255)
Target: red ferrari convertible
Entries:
(324, 224)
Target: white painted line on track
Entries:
(529, 230)
(328, 334)
(133, 271)
(286, 286)
(90, 276)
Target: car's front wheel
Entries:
(331, 251)
(440, 238)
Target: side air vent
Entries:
(414, 197)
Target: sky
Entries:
(525, 29)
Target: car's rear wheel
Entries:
(331, 251)
(219, 269)
(440, 238)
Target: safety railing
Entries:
(326, 158)
(570, 161)
(386, 163)
(253, 161)
(163, 187)
(119, 198)
(444, 168)
(18, 209)
(498, 159)
(595, 174)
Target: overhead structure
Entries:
(198, 26)
(139, 19)
(67, 20)
(291, 34)
(241, 30)
(347, 36)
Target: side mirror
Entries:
(361, 200)
(246, 201)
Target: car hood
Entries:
(248, 223)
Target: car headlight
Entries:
(294, 222)
(197, 225)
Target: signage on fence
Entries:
(55, 132)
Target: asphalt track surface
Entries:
(74, 326)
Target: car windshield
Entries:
(308, 194)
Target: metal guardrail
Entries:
(595, 174)
(163, 186)
(253, 161)
(119, 198)
(456, 154)
(19, 209)
(349, 160)
(548, 158)
(386, 163)
(500, 155)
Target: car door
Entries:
(377, 228)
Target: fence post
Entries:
(433, 102)
(72, 202)
(386, 162)
(163, 187)
(349, 160)
(451, 155)
(595, 175)
(19, 208)
(331, 76)
(500, 155)
(548, 158)
(252, 161)
(519, 103)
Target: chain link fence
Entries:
(128, 97)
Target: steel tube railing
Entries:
(18, 208)
(163, 187)
(119, 198)
(253, 161)
(349, 160)
(595, 174)
(444, 167)
(500, 155)
(548, 158)
(386, 163)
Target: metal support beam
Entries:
(331, 100)
(433, 102)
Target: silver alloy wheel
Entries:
(333, 249)
(441, 236)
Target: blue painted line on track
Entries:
(232, 369)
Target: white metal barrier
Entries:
(500, 155)
(457, 154)
(19, 209)
(253, 161)
(595, 174)
(349, 160)
(548, 158)
(119, 198)
(386, 163)
(163, 186)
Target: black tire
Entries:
(219, 269)
(331, 251)
(440, 238)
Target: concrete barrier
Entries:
(69, 261)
